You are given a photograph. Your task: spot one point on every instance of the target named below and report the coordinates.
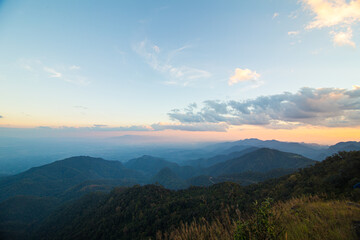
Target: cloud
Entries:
(329, 107)
(81, 107)
(74, 67)
(198, 127)
(162, 63)
(275, 15)
(156, 49)
(293, 33)
(243, 75)
(330, 13)
(61, 72)
(335, 13)
(53, 72)
(343, 38)
(1, 116)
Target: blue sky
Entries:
(130, 63)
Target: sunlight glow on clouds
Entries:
(332, 13)
(243, 75)
(343, 38)
(329, 107)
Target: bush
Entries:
(262, 225)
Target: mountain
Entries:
(149, 165)
(169, 179)
(54, 178)
(307, 150)
(261, 160)
(141, 212)
(345, 146)
(207, 162)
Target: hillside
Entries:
(140, 212)
(54, 178)
(261, 160)
(169, 179)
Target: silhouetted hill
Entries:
(54, 178)
(261, 160)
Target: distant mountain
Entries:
(261, 160)
(169, 179)
(345, 146)
(54, 178)
(307, 150)
(228, 154)
(149, 165)
(312, 151)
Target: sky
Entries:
(183, 70)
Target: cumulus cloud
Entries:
(275, 15)
(329, 13)
(343, 38)
(330, 107)
(162, 63)
(335, 13)
(243, 75)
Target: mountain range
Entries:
(27, 198)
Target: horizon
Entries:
(181, 71)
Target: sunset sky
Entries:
(188, 70)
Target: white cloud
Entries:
(156, 49)
(176, 74)
(74, 67)
(343, 38)
(275, 15)
(61, 72)
(53, 72)
(335, 13)
(243, 75)
(293, 33)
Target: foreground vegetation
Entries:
(296, 219)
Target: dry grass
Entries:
(312, 218)
(222, 228)
(302, 218)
